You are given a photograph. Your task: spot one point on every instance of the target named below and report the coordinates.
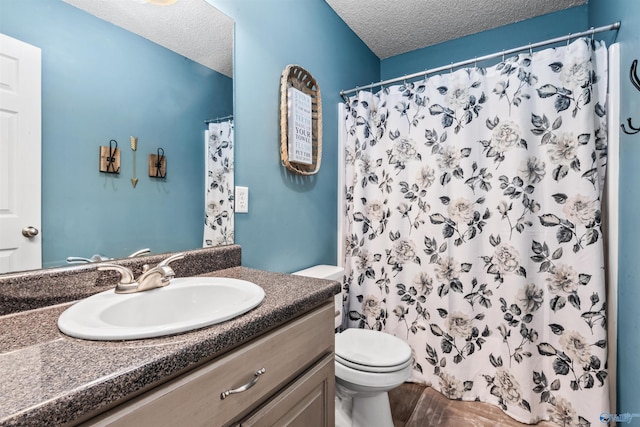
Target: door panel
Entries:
(20, 155)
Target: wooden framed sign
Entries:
(300, 121)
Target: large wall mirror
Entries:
(112, 70)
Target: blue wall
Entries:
(100, 82)
(292, 220)
(602, 12)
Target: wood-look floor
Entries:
(414, 405)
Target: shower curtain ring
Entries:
(569, 39)
(451, 68)
(475, 62)
(530, 50)
(593, 32)
(502, 55)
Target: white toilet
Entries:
(368, 365)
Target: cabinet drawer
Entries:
(194, 398)
(308, 402)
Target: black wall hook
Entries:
(634, 129)
(633, 74)
(635, 81)
(158, 164)
(111, 160)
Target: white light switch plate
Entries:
(242, 199)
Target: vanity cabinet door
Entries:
(307, 402)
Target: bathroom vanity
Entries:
(291, 369)
(281, 352)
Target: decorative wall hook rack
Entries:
(158, 164)
(110, 158)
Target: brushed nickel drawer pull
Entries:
(245, 387)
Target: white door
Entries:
(20, 134)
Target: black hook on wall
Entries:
(633, 74)
(110, 158)
(113, 146)
(158, 164)
(633, 130)
(635, 81)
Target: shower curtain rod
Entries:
(591, 31)
(230, 116)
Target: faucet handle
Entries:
(126, 275)
(171, 259)
(140, 252)
(78, 260)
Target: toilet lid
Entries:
(375, 369)
(371, 348)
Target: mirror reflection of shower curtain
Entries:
(219, 185)
(473, 230)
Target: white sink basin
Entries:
(184, 305)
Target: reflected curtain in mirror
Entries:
(219, 186)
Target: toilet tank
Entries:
(328, 272)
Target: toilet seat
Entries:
(367, 368)
(371, 351)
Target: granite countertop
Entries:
(48, 378)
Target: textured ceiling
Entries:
(192, 28)
(393, 27)
(198, 31)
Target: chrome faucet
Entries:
(100, 258)
(151, 278)
(81, 260)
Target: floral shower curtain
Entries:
(473, 230)
(219, 185)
